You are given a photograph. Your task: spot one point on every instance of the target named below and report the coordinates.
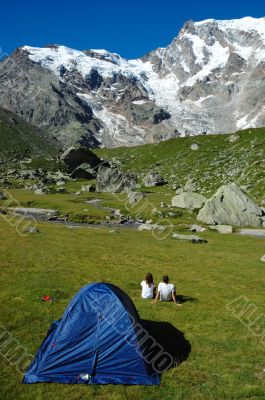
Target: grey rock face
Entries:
(112, 180)
(83, 171)
(230, 206)
(73, 157)
(190, 201)
(153, 179)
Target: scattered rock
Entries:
(153, 179)
(150, 227)
(135, 197)
(190, 186)
(229, 205)
(233, 138)
(222, 228)
(197, 228)
(41, 191)
(189, 238)
(32, 230)
(88, 188)
(113, 231)
(112, 180)
(190, 201)
(60, 183)
(2, 196)
(194, 146)
(179, 190)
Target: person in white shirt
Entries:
(148, 287)
(166, 291)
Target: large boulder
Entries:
(84, 171)
(75, 156)
(190, 201)
(153, 179)
(112, 180)
(230, 206)
(135, 197)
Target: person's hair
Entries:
(149, 278)
(165, 278)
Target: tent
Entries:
(95, 342)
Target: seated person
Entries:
(148, 287)
(166, 291)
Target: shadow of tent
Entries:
(170, 339)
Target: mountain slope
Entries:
(210, 79)
(19, 139)
(219, 159)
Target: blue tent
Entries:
(95, 342)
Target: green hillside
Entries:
(216, 161)
(18, 139)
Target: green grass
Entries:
(226, 360)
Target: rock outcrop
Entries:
(73, 157)
(112, 180)
(153, 179)
(230, 206)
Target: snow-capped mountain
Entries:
(210, 79)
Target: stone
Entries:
(222, 228)
(233, 138)
(83, 171)
(179, 190)
(88, 188)
(112, 180)
(75, 156)
(150, 227)
(194, 146)
(32, 230)
(2, 196)
(190, 186)
(262, 258)
(60, 183)
(189, 238)
(41, 191)
(135, 197)
(153, 179)
(189, 201)
(230, 206)
(197, 228)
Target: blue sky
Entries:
(130, 28)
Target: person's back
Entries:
(166, 291)
(148, 287)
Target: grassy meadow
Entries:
(226, 360)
